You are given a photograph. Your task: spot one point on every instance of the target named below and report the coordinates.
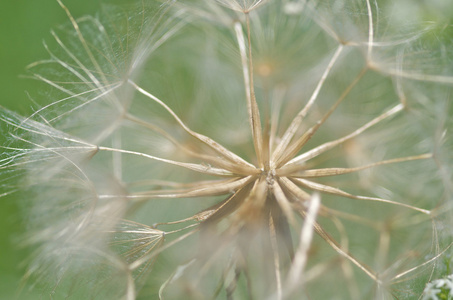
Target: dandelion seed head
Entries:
(276, 147)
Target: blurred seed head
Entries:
(239, 150)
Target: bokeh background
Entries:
(24, 24)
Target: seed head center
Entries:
(270, 177)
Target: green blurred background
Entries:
(24, 24)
